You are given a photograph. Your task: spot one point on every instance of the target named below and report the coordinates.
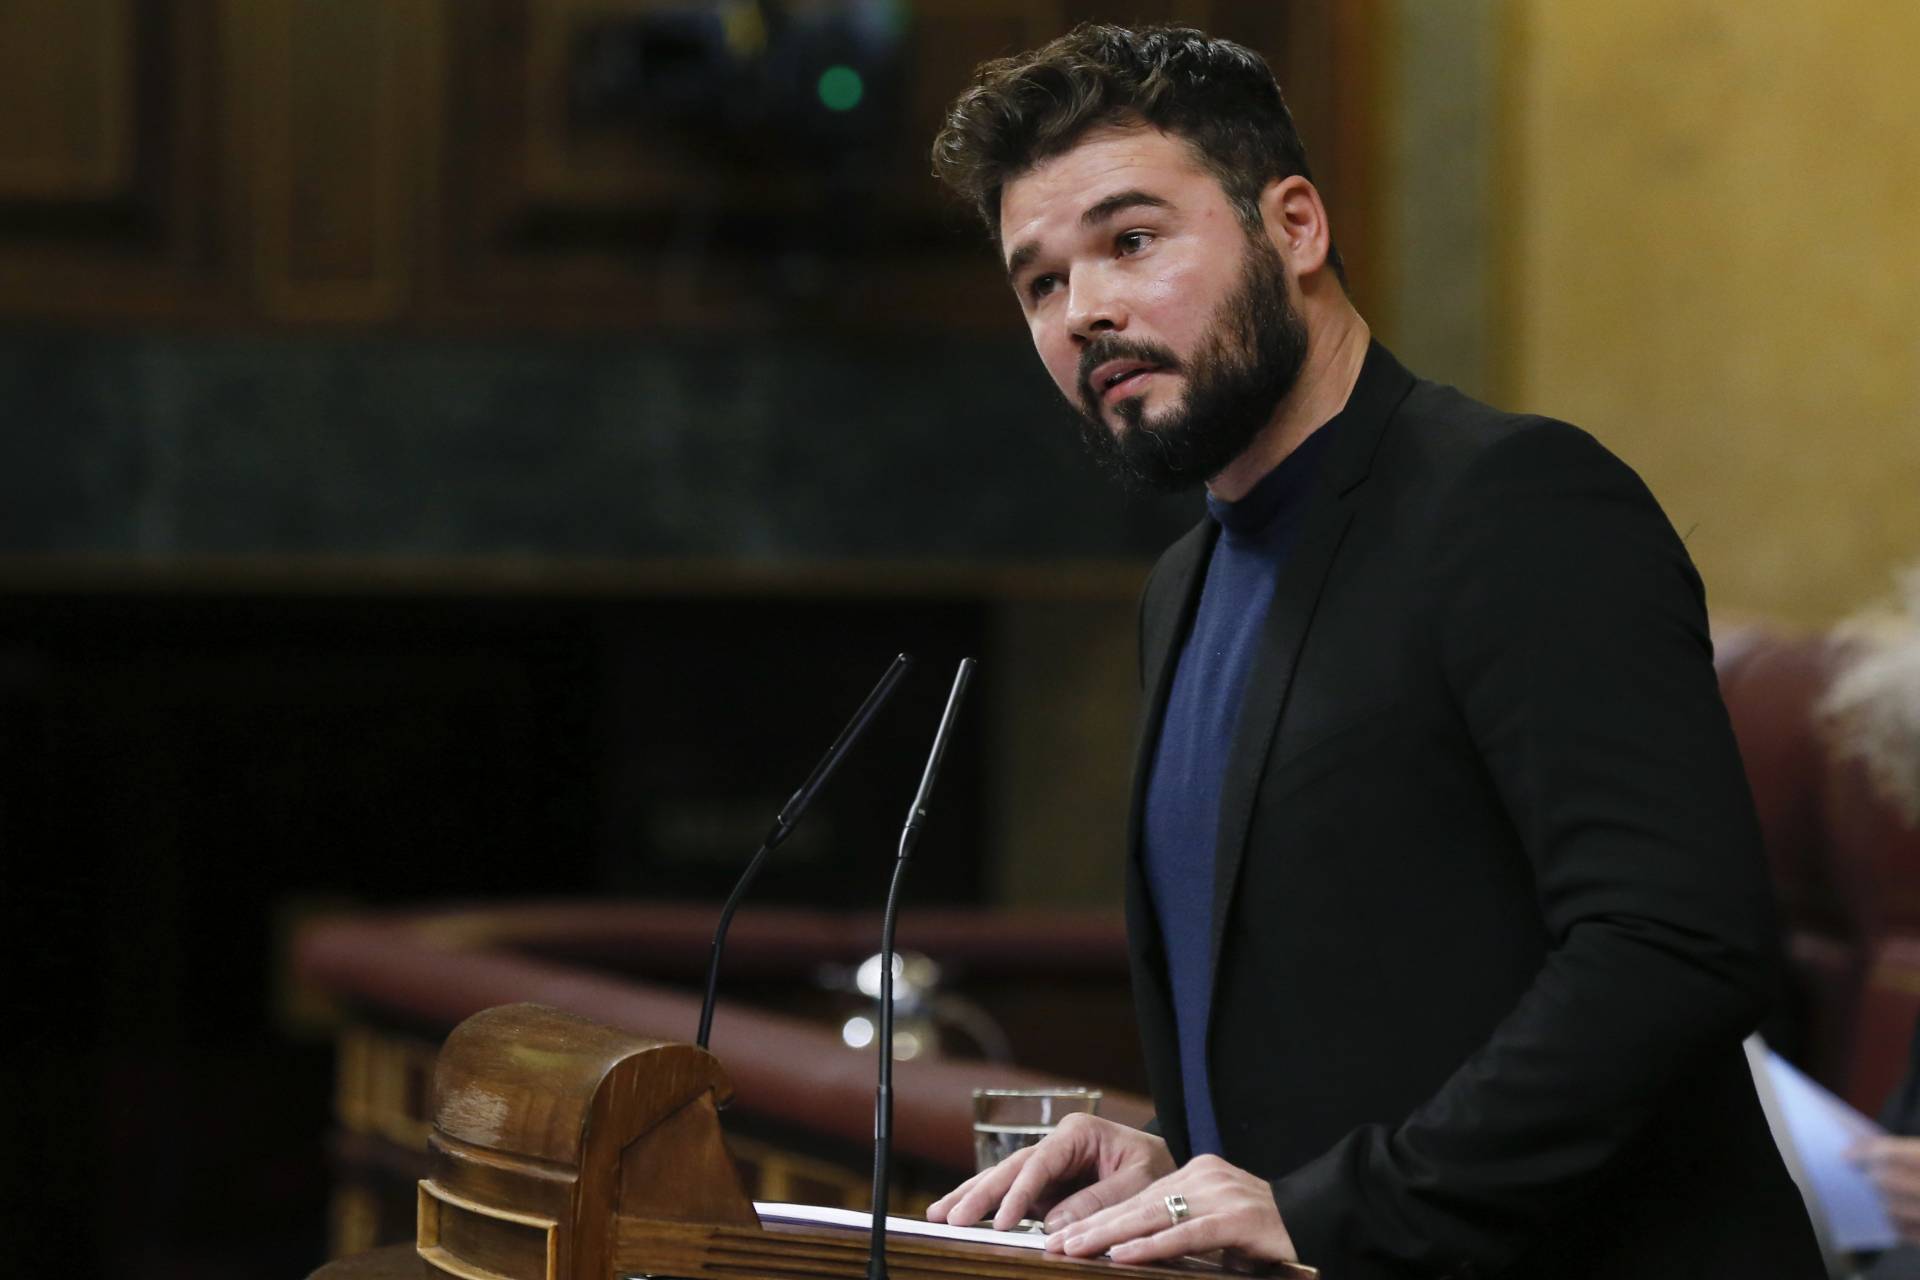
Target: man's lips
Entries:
(1116, 379)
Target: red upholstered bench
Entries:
(1845, 867)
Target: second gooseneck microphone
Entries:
(787, 818)
(883, 1095)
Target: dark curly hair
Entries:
(1220, 97)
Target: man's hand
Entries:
(1105, 1161)
(1226, 1208)
(1894, 1166)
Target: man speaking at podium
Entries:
(1445, 894)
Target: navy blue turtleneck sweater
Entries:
(1196, 737)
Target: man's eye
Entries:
(1133, 241)
(1043, 285)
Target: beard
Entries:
(1244, 367)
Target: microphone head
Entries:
(798, 802)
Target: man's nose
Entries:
(1093, 307)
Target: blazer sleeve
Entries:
(1571, 629)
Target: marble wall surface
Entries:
(758, 448)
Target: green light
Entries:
(841, 88)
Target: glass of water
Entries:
(1005, 1120)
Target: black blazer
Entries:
(1490, 916)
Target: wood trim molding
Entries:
(1057, 580)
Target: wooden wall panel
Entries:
(330, 116)
(110, 175)
(66, 83)
(614, 222)
(417, 162)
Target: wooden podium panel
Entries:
(566, 1150)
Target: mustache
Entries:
(1101, 350)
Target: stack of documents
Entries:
(1820, 1130)
(814, 1215)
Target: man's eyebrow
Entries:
(1096, 213)
(1021, 257)
(1100, 210)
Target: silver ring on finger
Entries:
(1177, 1209)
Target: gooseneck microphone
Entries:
(789, 817)
(883, 1095)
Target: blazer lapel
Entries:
(1382, 384)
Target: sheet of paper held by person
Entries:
(820, 1215)
(1823, 1129)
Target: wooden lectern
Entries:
(566, 1150)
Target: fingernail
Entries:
(1074, 1242)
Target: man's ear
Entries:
(1295, 219)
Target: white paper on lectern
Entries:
(1824, 1129)
(821, 1216)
